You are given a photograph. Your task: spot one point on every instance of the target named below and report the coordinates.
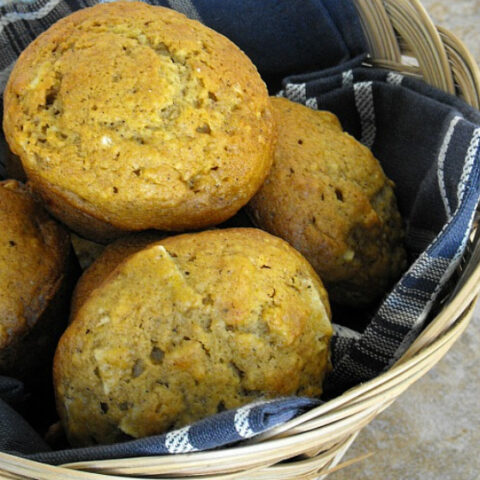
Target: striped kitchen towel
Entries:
(231, 426)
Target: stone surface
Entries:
(433, 431)
(460, 17)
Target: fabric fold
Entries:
(223, 429)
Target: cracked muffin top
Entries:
(128, 116)
(190, 326)
(328, 196)
(113, 254)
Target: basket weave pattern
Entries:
(401, 37)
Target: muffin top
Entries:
(106, 262)
(190, 326)
(140, 117)
(328, 196)
(33, 249)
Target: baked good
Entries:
(189, 326)
(128, 116)
(36, 279)
(328, 196)
(106, 262)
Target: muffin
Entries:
(328, 196)
(36, 280)
(187, 327)
(106, 262)
(128, 117)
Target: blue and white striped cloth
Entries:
(222, 429)
(427, 142)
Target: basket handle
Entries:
(401, 36)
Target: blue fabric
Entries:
(427, 142)
(222, 429)
(15, 433)
(300, 35)
(11, 390)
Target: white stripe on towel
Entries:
(178, 441)
(347, 78)
(297, 92)
(469, 161)
(441, 164)
(16, 16)
(394, 78)
(364, 102)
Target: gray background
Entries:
(433, 431)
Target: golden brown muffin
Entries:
(111, 256)
(128, 116)
(191, 325)
(328, 196)
(35, 282)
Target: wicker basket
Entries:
(401, 37)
